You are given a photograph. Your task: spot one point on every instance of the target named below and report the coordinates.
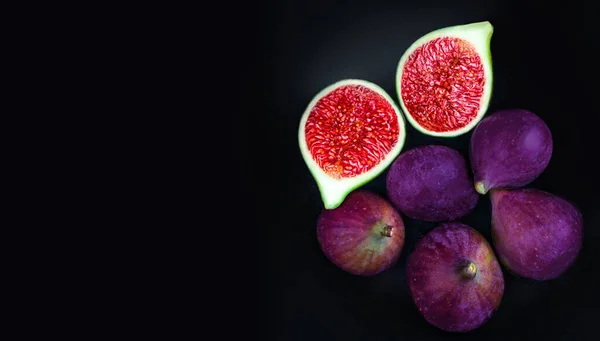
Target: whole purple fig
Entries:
(454, 278)
(536, 234)
(363, 236)
(431, 183)
(509, 148)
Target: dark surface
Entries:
(544, 61)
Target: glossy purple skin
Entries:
(351, 234)
(537, 235)
(431, 183)
(444, 297)
(509, 148)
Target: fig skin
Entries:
(537, 235)
(454, 278)
(509, 149)
(363, 236)
(431, 183)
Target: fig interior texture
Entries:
(349, 133)
(363, 236)
(454, 278)
(444, 80)
(537, 234)
(509, 148)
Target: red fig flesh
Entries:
(444, 79)
(349, 133)
(363, 236)
(454, 278)
(537, 235)
(509, 149)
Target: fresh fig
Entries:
(454, 278)
(363, 236)
(431, 183)
(509, 149)
(536, 234)
(349, 133)
(444, 79)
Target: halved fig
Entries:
(350, 132)
(444, 79)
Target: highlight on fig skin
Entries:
(537, 235)
(508, 149)
(363, 236)
(454, 278)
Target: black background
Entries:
(545, 60)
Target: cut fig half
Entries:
(444, 79)
(350, 132)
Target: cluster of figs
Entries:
(353, 131)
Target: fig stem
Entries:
(480, 187)
(387, 231)
(470, 270)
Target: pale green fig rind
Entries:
(480, 35)
(334, 191)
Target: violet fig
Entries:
(454, 278)
(431, 183)
(536, 234)
(363, 236)
(509, 149)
